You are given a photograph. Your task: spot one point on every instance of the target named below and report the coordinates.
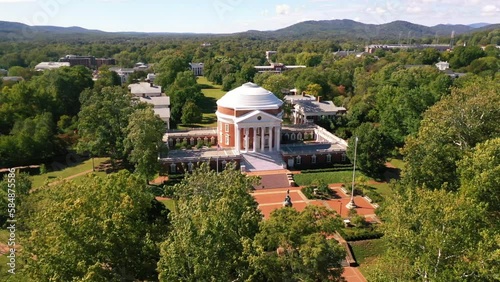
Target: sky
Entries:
(228, 16)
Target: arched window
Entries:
(299, 136)
(344, 157)
(173, 168)
(190, 166)
(298, 160)
(224, 163)
(313, 159)
(328, 158)
(292, 136)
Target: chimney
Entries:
(319, 98)
(151, 84)
(303, 93)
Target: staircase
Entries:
(260, 161)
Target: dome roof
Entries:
(250, 96)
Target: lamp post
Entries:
(351, 203)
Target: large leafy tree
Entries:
(103, 230)
(292, 246)
(436, 235)
(372, 149)
(103, 120)
(452, 127)
(168, 68)
(144, 140)
(480, 174)
(215, 218)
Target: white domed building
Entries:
(250, 132)
(249, 119)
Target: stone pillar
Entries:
(271, 138)
(254, 129)
(262, 140)
(278, 138)
(237, 138)
(246, 140)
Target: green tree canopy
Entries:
(97, 231)
(215, 218)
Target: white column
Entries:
(278, 138)
(246, 140)
(254, 129)
(237, 140)
(262, 140)
(271, 138)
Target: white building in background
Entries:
(151, 77)
(123, 73)
(443, 66)
(145, 89)
(197, 68)
(161, 107)
(51, 65)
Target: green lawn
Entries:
(39, 180)
(329, 177)
(367, 252)
(383, 189)
(212, 93)
(397, 163)
(169, 203)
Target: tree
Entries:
(101, 230)
(314, 89)
(463, 56)
(168, 68)
(144, 139)
(107, 78)
(450, 128)
(215, 218)
(480, 174)
(291, 246)
(21, 186)
(276, 83)
(191, 113)
(102, 121)
(435, 234)
(372, 150)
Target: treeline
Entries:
(112, 229)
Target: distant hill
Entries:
(397, 30)
(346, 29)
(478, 25)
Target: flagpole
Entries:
(351, 203)
(218, 148)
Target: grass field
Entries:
(329, 177)
(397, 163)
(39, 180)
(169, 203)
(367, 252)
(212, 93)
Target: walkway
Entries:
(262, 161)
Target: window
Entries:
(227, 127)
(298, 159)
(313, 159)
(292, 136)
(328, 158)
(227, 139)
(299, 136)
(224, 163)
(190, 166)
(343, 157)
(173, 168)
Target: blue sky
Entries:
(224, 16)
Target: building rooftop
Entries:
(144, 88)
(156, 101)
(250, 96)
(51, 65)
(318, 108)
(294, 98)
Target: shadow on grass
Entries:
(208, 105)
(206, 86)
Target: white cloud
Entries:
(414, 9)
(377, 10)
(282, 9)
(490, 10)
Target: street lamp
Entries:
(351, 203)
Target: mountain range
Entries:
(400, 30)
